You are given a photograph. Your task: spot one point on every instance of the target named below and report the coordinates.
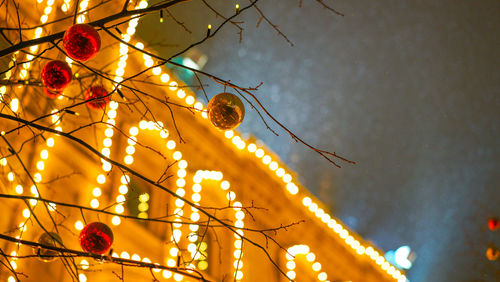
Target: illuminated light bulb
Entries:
(196, 197)
(178, 277)
(322, 276)
(237, 254)
(171, 263)
(10, 176)
(125, 255)
(101, 179)
(239, 224)
(78, 225)
(171, 144)
(128, 159)
(181, 93)
(179, 202)
(291, 275)
(132, 140)
(136, 257)
(240, 215)
(106, 152)
(190, 100)
(198, 106)
(37, 177)
(143, 207)
(230, 196)
(110, 123)
(174, 251)
(120, 199)
(313, 207)
(316, 266)
(120, 72)
(125, 179)
(239, 275)
(181, 173)
(94, 203)
(197, 188)
(287, 178)
(84, 264)
(107, 142)
(266, 159)
(130, 30)
(82, 277)
(319, 213)
(310, 257)
(156, 70)
(229, 134)
(19, 189)
(280, 172)
(167, 274)
(14, 104)
(238, 244)
(385, 265)
(259, 153)
(106, 166)
(50, 142)
(177, 155)
(181, 192)
(292, 188)
(116, 220)
(379, 260)
(108, 132)
(237, 206)
(143, 4)
(173, 85)
(119, 209)
(130, 150)
(144, 197)
(225, 185)
(123, 189)
(3, 161)
(177, 235)
(290, 265)
(193, 238)
(26, 213)
(360, 250)
(344, 234)
(238, 264)
(164, 78)
(112, 114)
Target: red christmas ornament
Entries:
(51, 93)
(81, 42)
(56, 75)
(493, 224)
(96, 238)
(96, 92)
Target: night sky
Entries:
(407, 89)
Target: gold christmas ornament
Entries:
(492, 253)
(48, 239)
(226, 111)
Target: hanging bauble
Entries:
(56, 75)
(96, 238)
(81, 42)
(226, 111)
(52, 93)
(50, 239)
(493, 224)
(492, 253)
(97, 92)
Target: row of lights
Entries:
(40, 165)
(286, 178)
(199, 176)
(291, 254)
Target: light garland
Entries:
(235, 139)
(291, 255)
(200, 176)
